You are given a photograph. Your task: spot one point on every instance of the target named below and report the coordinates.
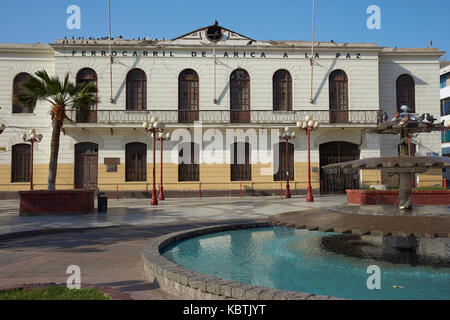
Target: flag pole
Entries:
(110, 53)
(311, 60)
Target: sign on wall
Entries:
(111, 164)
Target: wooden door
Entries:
(86, 166)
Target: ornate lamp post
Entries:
(2, 128)
(286, 136)
(32, 137)
(162, 138)
(154, 127)
(308, 125)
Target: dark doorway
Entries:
(280, 162)
(241, 167)
(86, 165)
(338, 97)
(87, 75)
(338, 180)
(188, 166)
(136, 161)
(240, 96)
(188, 96)
(406, 93)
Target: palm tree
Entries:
(60, 95)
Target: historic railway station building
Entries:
(223, 96)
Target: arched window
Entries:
(338, 96)
(240, 96)
(188, 164)
(87, 75)
(136, 90)
(406, 93)
(18, 82)
(282, 91)
(280, 162)
(136, 162)
(20, 163)
(241, 166)
(188, 96)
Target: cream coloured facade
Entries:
(371, 74)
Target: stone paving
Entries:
(111, 254)
(139, 212)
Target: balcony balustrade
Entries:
(226, 116)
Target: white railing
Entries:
(226, 116)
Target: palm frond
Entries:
(84, 94)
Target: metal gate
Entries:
(338, 180)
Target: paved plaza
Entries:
(138, 212)
(110, 254)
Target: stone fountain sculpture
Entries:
(404, 124)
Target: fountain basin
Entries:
(256, 261)
(325, 264)
(378, 197)
(189, 284)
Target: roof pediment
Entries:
(212, 34)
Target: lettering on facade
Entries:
(205, 54)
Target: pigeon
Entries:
(403, 122)
(404, 108)
(379, 118)
(385, 117)
(216, 23)
(430, 118)
(422, 117)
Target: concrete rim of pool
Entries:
(183, 282)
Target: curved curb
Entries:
(183, 282)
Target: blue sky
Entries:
(405, 23)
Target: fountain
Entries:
(404, 124)
(321, 253)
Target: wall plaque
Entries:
(111, 164)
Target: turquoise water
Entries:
(304, 261)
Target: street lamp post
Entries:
(154, 127)
(162, 138)
(32, 138)
(286, 136)
(308, 125)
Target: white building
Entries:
(445, 109)
(228, 81)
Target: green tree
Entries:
(61, 95)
